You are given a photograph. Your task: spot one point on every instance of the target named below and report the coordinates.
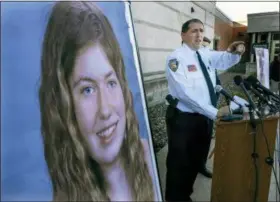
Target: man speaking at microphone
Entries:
(190, 72)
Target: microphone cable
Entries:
(269, 160)
(239, 82)
(255, 156)
(277, 164)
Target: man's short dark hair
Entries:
(186, 25)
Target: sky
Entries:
(237, 11)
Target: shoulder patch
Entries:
(173, 64)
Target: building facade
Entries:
(228, 31)
(223, 30)
(158, 32)
(264, 30)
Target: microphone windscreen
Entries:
(247, 85)
(169, 98)
(252, 79)
(237, 80)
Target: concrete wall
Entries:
(263, 22)
(157, 28)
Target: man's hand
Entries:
(223, 111)
(237, 47)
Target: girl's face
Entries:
(99, 104)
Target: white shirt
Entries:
(186, 81)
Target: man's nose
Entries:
(105, 107)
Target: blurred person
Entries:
(274, 73)
(191, 79)
(91, 138)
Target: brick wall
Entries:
(228, 32)
(239, 33)
(224, 31)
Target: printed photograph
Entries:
(73, 116)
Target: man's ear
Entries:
(182, 34)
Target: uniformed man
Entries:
(191, 78)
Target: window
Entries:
(276, 36)
(264, 37)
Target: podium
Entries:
(233, 170)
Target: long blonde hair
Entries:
(74, 175)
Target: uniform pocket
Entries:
(193, 77)
(197, 78)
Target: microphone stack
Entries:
(263, 101)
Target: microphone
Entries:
(239, 82)
(248, 86)
(256, 84)
(219, 89)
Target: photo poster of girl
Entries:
(73, 111)
(262, 61)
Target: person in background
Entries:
(190, 72)
(274, 73)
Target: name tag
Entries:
(192, 68)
